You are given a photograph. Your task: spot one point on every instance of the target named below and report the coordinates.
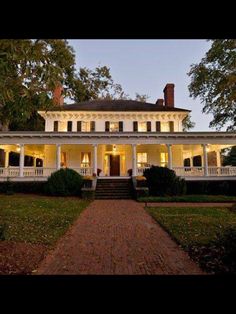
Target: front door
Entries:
(114, 165)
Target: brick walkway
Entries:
(117, 237)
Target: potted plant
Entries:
(99, 171)
(130, 172)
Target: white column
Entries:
(205, 159)
(169, 147)
(95, 159)
(22, 159)
(218, 159)
(6, 162)
(134, 160)
(35, 162)
(191, 161)
(58, 157)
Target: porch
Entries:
(36, 162)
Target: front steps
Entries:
(114, 189)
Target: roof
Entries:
(115, 105)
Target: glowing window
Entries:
(142, 126)
(114, 126)
(85, 126)
(85, 160)
(141, 159)
(165, 127)
(163, 159)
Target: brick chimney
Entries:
(58, 98)
(169, 95)
(160, 102)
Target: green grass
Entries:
(38, 219)
(189, 198)
(194, 225)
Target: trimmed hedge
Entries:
(64, 182)
(211, 187)
(163, 181)
(22, 187)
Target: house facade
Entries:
(115, 138)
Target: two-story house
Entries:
(113, 137)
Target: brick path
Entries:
(117, 237)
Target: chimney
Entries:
(58, 98)
(160, 102)
(169, 95)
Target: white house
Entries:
(112, 137)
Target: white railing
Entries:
(189, 171)
(27, 172)
(84, 171)
(140, 170)
(222, 171)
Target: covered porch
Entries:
(36, 162)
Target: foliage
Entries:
(230, 157)
(22, 187)
(142, 98)
(211, 187)
(188, 123)
(205, 233)
(2, 232)
(64, 182)
(214, 81)
(38, 219)
(163, 181)
(88, 194)
(189, 199)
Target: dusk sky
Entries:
(145, 66)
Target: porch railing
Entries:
(84, 171)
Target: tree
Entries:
(188, 123)
(214, 81)
(229, 156)
(29, 72)
(142, 98)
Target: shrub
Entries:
(163, 181)
(2, 232)
(64, 182)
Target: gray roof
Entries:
(115, 105)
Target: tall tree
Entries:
(214, 81)
(188, 123)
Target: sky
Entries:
(146, 66)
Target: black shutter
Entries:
(69, 126)
(149, 126)
(55, 126)
(78, 126)
(158, 126)
(171, 124)
(135, 126)
(120, 126)
(92, 126)
(107, 126)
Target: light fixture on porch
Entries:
(18, 148)
(207, 147)
(85, 160)
(114, 149)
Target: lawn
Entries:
(189, 198)
(38, 219)
(195, 228)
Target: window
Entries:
(55, 126)
(114, 126)
(165, 127)
(141, 160)
(142, 126)
(85, 160)
(163, 159)
(85, 126)
(158, 126)
(69, 126)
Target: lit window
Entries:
(142, 160)
(165, 127)
(164, 159)
(142, 126)
(85, 126)
(114, 126)
(85, 160)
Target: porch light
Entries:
(114, 149)
(18, 148)
(85, 159)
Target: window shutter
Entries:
(55, 126)
(120, 126)
(158, 126)
(78, 126)
(135, 126)
(171, 126)
(92, 126)
(69, 126)
(107, 126)
(149, 126)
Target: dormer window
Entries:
(85, 126)
(114, 126)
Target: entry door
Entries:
(114, 165)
